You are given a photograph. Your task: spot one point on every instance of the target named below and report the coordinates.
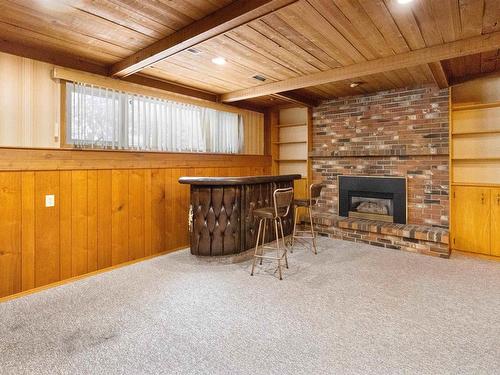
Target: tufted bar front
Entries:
(221, 211)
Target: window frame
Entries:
(66, 144)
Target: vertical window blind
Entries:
(99, 117)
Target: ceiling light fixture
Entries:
(404, 1)
(219, 60)
(355, 84)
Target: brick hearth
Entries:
(400, 132)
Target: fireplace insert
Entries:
(373, 198)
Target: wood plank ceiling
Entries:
(306, 37)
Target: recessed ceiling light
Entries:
(219, 60)
(404, 1)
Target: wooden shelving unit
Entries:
(290, 145)
(479, 132)
(475, 167)
(475, 106)
(291, 125)
(290, 142)
(291, 160)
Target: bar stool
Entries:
(282, 199)
(307, 203)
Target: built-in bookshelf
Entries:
(475, 166)
(290, 144)
(475, 132)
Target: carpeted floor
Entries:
(351, 309)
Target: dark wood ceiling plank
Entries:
(384, 22)
(283, 43)
(447, 14)
(65, 19)
(259, 43)
(491, 16)
(26, 21)
(471, 14)
(277, 23)
(30, 39)
(490, 61)
(309, 22)
(360, 20)
(428, 24)
(122, 16)
(407, 24)
(237, 13)
(341, 23)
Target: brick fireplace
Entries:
(397, 133)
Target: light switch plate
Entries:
(50, 201)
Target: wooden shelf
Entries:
(474, 184)
(467, 107)
(477, 132)
(289, 142)
(290, 160)
(292, 125)
(477, 159)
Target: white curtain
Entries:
(98, 117)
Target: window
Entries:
(98, 117)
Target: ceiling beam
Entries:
(439, 75)
(297, 99)
(235, 14)
(464, 47)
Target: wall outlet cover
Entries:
(50, 200)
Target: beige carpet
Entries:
(352, 309)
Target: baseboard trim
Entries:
(90, 274)
(467, 254)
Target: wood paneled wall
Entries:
(30, 103)
(106, 212)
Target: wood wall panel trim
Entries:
(10, 235)
(119, 216)
(92, 209)
(28, 159)
(79, 223)
(136, 204)
(47, 229)
(28, 230)
(104, 224)
(101, 218)
(66, 209)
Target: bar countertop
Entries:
(237, 180)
